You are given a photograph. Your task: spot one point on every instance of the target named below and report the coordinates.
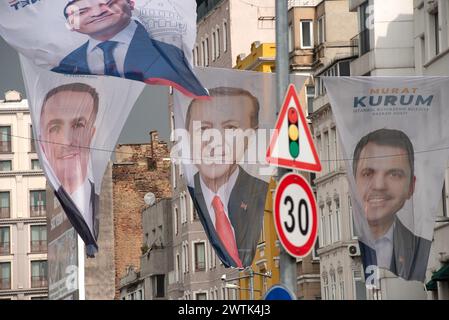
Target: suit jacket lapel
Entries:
(208, 225)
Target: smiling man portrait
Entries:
(383, 168)
(67, 128)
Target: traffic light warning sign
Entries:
(291, 145)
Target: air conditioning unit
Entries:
(354, 250)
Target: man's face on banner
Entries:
(384, 182)
(218, 158)
(99, 18)
(67, 128)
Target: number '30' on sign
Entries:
(295, 215)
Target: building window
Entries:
(291, 44)
(174, 175)
(158, 285)
(35, 164)
(5, 139)
(206, 54)
(351, 217)
(32, 143)
(214, 42)
(326, 155)
(330, 225)
(334, 148)
(183, 199)
(176, 217)
(225, 36)
(201, 296)
(323, 227)
(6, 165)
(306, 34)
(38, 274)
(5, 241)
(178, 268)
(443, 199)
(37, 203)
(364, 39)
(325, 286)
(342, 286)
(359, 285)
(5, 275)
(321, 30)
(310, 92)
(337, 220)
(5, 210)
(38, 239)
(333, 286)
(436, 30)
(200, 256)
(195, 57)
(217, 46)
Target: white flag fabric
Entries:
(221, 147)
(394, 137)
(143, 40)
(76, 121)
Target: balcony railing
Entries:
(5, 283)
(38, 246)
(5, 213)
(5, 146)
(355, 46)
(39, 282)
(38, 211)
(5, 248)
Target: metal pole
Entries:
(287, 262)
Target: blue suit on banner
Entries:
(146, 60)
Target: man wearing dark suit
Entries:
(230, 202)
(383, 167)
(67, 126)
(120, 46)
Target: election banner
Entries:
(144, 40)
(220, 145)
(394, 134)
(77, 120)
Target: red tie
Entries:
(224, 230)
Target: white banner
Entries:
(394, 136)
(144, 40)
(76, 123)
(221, 146)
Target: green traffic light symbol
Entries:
(293, 132)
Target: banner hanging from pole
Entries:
(394, 137)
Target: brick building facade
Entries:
(137, 170)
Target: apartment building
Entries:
(23, 229)
(226, 28)
(431, 39)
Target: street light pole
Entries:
(287, 262)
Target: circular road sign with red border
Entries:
(295, 215)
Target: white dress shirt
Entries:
(384, 249)
(95, 56)
(224, 192)
(82, 199)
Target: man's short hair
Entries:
(233, 92)
(67, 5)
(74, 87)
(385, 137)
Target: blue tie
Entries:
(110, 67)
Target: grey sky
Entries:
(149, 113)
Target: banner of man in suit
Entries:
(143, 40)
(221, 146)
(76, 121)
(394, 133)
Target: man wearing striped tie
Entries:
(230, 202)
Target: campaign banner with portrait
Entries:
(76, 121)
(220, 146)
(143, 40)
(393, 132)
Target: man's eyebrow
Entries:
(82, 118)
(231, 121)
(396, 170)
(53, 122)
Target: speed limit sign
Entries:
(295, 215)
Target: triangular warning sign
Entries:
(291, 145)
